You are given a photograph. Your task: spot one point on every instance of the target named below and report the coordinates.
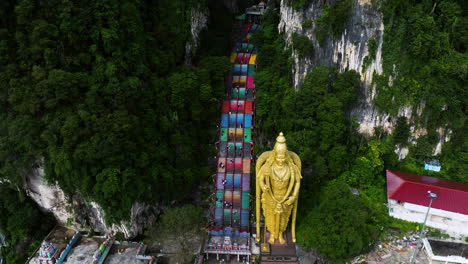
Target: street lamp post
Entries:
(432, 196)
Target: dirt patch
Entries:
(61, 236)
(395, 250)
(127, 256)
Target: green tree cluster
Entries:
(372, 48)
(97, 94)
(402, 131)
(21, 222)
(424, 52)
(182, 225)
(307, 23)
(298, 4)
(425, 55)
(332, 21)
(302, 44)
(313, 117)
(341, 226)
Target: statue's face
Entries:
(280, 157)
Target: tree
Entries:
(366, 170)
(96, 94)
(402, 131)
(14, 258)
(20, 220)
(302, 44)
(183, 225)
(333, 19)
(340, 227)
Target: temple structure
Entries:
(48, 253)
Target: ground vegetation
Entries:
(99, 94)
(341, 168)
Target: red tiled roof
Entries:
(412, 188)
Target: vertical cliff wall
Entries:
(199, 20)
(345, 53)
(72, 209)
(348, 52)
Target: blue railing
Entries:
(70, 245)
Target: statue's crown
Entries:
(281, 138)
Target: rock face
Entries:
(199, 20)
(50, 198)
(345, 53)
(72, 209)
(348, 53)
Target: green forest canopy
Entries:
(317, 124)
(97, 93)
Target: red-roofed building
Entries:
(408, 200)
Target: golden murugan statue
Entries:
(277, 188)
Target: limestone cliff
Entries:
(199, 20)
(72, 209)
(347, 53)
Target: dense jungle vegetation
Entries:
(426, 41)
(98, 94)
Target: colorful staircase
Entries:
(231, 207)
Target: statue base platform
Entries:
(278, 253)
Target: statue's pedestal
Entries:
(278, 253)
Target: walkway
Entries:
(231, 213)
(230, 229)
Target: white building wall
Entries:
(454, 224)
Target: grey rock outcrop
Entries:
(50, 198)
(347, 53)
(199, 21)
(72, 209)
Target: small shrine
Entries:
(432, 165)
(48, 253)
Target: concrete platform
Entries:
(126, 256)
(83, 252)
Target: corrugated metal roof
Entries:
(413, 188)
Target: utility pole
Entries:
(432, 196)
